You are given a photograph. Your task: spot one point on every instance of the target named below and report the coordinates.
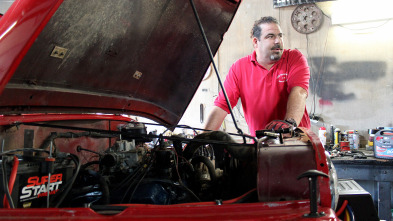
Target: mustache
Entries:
(276, 47)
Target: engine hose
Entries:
(345, 203)
(105, 199)
(208, 164)
(12, 180)
(5, 183)
(84, 166)
(53, 136)
(105, 190)
(69, 185)
(242, 152)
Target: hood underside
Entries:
(135, 57)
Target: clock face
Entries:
(306, 18)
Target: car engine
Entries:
(121, 163)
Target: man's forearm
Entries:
(296, 104)
(215, 119)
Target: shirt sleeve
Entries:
(299, 72)
(231, 88)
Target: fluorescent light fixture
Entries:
(358, 11)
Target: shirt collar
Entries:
(254, 57)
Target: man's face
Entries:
(270, 45)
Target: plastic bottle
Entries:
(350, 138)
(356, 140)
(344, 136)
(337, 136)
(331, 143)
(371, 140)
(322, 135)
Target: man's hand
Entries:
(284, 125)
(278, 124)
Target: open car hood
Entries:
(136, 57)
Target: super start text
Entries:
(37, 187)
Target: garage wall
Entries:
(351, 83)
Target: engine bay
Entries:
(88, 163)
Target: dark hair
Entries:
(257, 30)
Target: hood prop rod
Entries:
(215, 68)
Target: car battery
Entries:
(31, 183)
(383, 144)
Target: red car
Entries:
(71, 72)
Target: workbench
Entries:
(373, 174)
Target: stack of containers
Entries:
(353, 138)
(371, 135)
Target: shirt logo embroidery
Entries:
(282, 77)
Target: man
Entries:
(272, 83)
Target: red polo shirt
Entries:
(264, 93)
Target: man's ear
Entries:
(254, 42)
